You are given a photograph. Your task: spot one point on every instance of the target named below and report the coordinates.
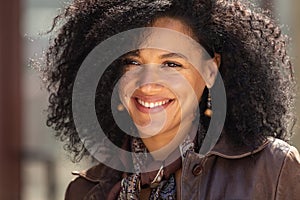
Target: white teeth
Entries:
(152, 104)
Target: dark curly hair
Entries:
(255, 67)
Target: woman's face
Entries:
(161, 89)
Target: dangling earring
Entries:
(120, 107)
(208, 112)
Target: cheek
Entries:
(126, 88)
(196, 82)
(199, 87)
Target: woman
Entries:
(166, 85)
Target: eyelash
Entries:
(128, 62)
(172, 64)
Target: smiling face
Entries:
(162, 82)
(161, 89)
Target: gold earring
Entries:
(120, 107)
(208, 112)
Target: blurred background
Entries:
(33, 165)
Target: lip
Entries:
(154, 100)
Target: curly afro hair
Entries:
(255, 67)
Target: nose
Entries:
(150, 88)
(150, 79)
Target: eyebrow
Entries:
(173, 55)
(167, 55)
(133, 53)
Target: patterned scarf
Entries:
(166, 188)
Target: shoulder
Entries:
(78, 189)
(94, 182)
(281, 149)
(288, 185)
(281, 153)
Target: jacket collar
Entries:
(225, 149)
(98, 173)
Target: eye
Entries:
(128, 62)
(172, 64)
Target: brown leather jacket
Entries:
(271, 171)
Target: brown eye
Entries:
(172, 64)
(130, 62)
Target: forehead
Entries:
(170, 34)
(174, 24)
(155, 53)
(172, 40)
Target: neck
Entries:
(160, 140)
(162, 144)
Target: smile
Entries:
(152, 104)
(147, 105)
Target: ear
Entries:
(211, 70)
